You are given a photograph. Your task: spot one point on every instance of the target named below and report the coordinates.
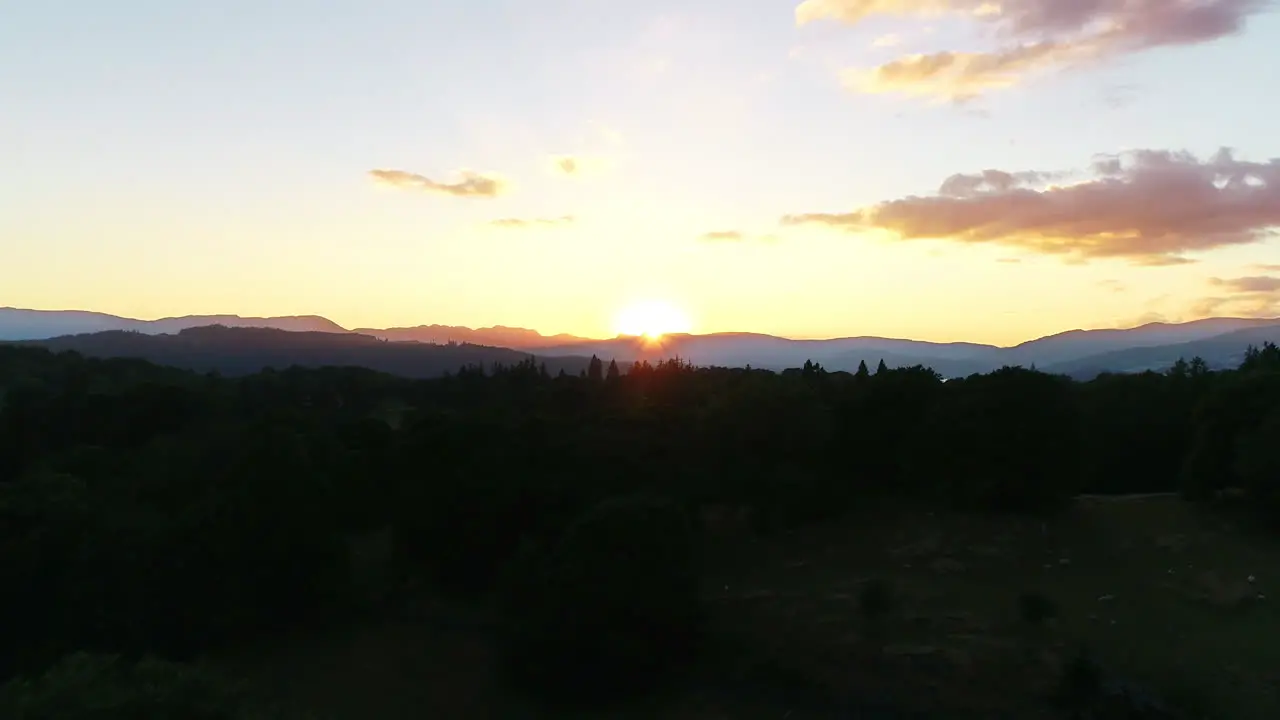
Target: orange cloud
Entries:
(722, 235)
(471, 185)
(1042, 35)
(961, 76)
(735, 236)
(1256, 284)
(1150, 207)
(1257, 296)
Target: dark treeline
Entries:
(147, 511)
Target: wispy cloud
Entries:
(886, 41)
(1117, 97)
(469, 185)
(1145, 318)
(1150, 207)
(574, 166)
(723, 236)
(525, 223)
(1248, 285)
(1039, 35)
(1254, 296)
(734, 236)
(565, 165)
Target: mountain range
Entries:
(245, 350)
(430, 349)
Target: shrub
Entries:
(876, 600)
(103, 687)
(608, 608)
(1081, 683)
(1036, 608)
(1086, 689)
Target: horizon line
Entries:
(582, 338)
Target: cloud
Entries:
(565, 165)
(1150, 207)
(958, 76)
(1112, 285)
(723, 236)
(1244, 285)
(1146, 318)
(525, 223)
(574, 166)
(471, 184)
(1256, 296)
(885, 41)
(1268, 268)
(734, 236)
(1038, 35)
(988, 181)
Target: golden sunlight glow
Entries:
(651, 319)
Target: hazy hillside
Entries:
(1221, 341)
(769, 352)
(1078, 344)
(238, 351)
(291, 323)
(496, 336)
(1220, 352)
(21, 324)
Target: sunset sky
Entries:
(930, 169)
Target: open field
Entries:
(1159, 590)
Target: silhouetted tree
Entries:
(1007, 440)
(1198, 367)
(580, 625)
(145, 509)
(1263, 359)
(863, 372)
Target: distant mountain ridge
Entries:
(1077, 344)
(245, 350)
(1076, 352)
(1219, 352)
(1080, 353)
(21, 324)
(498, 336)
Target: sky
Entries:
(929, 169)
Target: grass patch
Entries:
(986, 613)
(1158, 589)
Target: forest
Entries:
(152, 518)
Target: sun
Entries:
(651, 319)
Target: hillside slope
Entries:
(239, 351)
